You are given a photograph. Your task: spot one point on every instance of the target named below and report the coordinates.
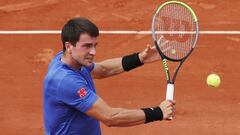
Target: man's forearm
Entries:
(125, 117)
(121, 117)
(116, 66)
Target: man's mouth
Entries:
(89, 59)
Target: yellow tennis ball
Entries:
(173, 51)
(213, 80)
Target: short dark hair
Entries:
(72, 30)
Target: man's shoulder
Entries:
(63, 73)
(63, 80)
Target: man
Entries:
(71, 105)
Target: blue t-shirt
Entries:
(67, 95)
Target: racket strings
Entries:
(175, 30)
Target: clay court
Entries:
(201, 110)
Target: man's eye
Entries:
(87, 46)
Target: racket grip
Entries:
(170, 91)
(169, 95)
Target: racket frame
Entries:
(170, 83)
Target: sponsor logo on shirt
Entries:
(82, 92)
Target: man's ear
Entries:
(68, 47)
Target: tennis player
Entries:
(71, 105)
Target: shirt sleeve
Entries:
(75, 92)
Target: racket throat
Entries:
(170, 91)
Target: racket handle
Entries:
(169, 95)
(170, 91)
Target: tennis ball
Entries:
(173, 51)
(213, 80)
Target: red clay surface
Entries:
(200, 110)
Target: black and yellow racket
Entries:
(175, 34)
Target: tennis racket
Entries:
(175, 34)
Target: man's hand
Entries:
(149, 54)
(168, 109)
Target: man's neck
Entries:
(68, 59)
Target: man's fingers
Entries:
(148, 48)
(168, 108)
(172, 101)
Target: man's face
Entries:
(85, 50)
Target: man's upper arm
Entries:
(77, 94)
(98, 71)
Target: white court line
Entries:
(5, 32)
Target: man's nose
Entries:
(92, 50)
